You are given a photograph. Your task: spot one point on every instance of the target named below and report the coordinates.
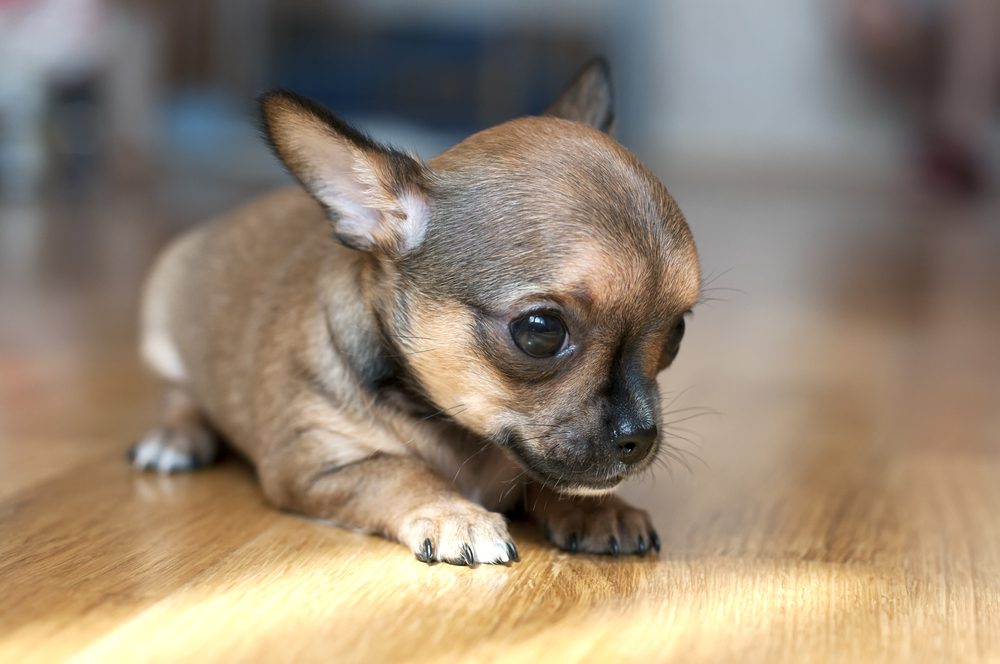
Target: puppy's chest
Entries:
(481, 471)
(497, 484)
(478, 468)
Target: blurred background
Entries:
(832, 423)
(160, 94)
(836, 160)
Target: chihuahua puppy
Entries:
(483, 332)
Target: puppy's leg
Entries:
(182, 442)
(399, 497)
(592, 524)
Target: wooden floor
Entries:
(837, 407)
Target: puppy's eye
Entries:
(673, 345)
(677, 333)
(538, 335)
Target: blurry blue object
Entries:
(201, 123)
(430, 75)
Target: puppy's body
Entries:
(264, 322)
(376, 383)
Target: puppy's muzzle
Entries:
(575, 463)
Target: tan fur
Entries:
(270, 331)
(452, 374)
(252, 322)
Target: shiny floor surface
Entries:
(835, 409)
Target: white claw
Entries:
(154, 452)
(147, 450)
(170, 460)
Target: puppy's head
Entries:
(535, 277)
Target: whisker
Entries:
(444, 411)
(513, 483)
(676, 436)
(684, 408)
(469, 458)
(672, 430)
(676, 396)
(687, 417)
(709, 279)
(682, 457)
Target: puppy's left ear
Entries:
(589, 98)
(375, 196)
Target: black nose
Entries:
(634, 443)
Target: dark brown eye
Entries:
(673, 345)
(538, 335)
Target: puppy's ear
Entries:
(375, 196)
(588, 98)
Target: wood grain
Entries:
(838, 414)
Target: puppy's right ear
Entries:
(375, 196)
(588, 98)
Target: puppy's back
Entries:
(207, 295)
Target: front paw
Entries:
(459, 533)
(606, 525)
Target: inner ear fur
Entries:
(375, 196)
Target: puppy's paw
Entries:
(173, 450)
(458, 532)
(607, 525)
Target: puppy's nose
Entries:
(634, 442)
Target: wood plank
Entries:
(839, 417)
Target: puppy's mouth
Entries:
(562, 480)
(590, 490)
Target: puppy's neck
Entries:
(371, 349)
